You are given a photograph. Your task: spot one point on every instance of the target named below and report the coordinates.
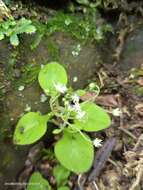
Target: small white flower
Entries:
(78, 47)
(75, 53)
(27, 108)
(76, 107)
(80, 114)
(75, 79)
(132, 76)
(21, 88)
(61, 88)
(76, 50)
(117, 112)
(97, 142)
(42, 66)
(43, 98)
(75, 98)
(92, 85)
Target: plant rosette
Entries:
(72, 117)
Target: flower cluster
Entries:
(76, 107)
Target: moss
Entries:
(138, 91)
(82, 27)
(28, 76)
(11, 64)
(53, 50)
(137, 72)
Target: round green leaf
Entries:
(31, 127)
(61, 175)
(50, 75)
(37, 182)
(64, 188)
(95, 118)
(74, 152)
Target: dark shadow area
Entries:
(54, 4)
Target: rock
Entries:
(132, 55)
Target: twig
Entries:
(128, 133)
(4, 11)
(95, 185)
(102, 156)
(113, 162)
(122, 122)
(138, 178)
(138, 142)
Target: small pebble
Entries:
(75, 79)
(17, 73)
(43, 98)
(27, 108)
(21, 88)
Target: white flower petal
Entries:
(97, 142)
(117, 112)
(60, 88)
(75, 98)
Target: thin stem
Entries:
(48, 116)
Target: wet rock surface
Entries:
(132, 55)
(81, 66)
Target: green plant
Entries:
(37, 182)
(72, 119)
(12, 28)
(82, 27)
(61, 175)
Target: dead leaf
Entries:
(140, 81)
(139, 109)
(107, 100)
(104, 100)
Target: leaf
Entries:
(74, 152)
(30, 128)
(80, 92)
(83, 2)
(1, 36)
(37, 182)
(14, 40)
(64, 188)
(61, 174)
(95, 118)
(109, 100)
(50, 75)
(57, 131)
(21, 26)
(30, 29)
